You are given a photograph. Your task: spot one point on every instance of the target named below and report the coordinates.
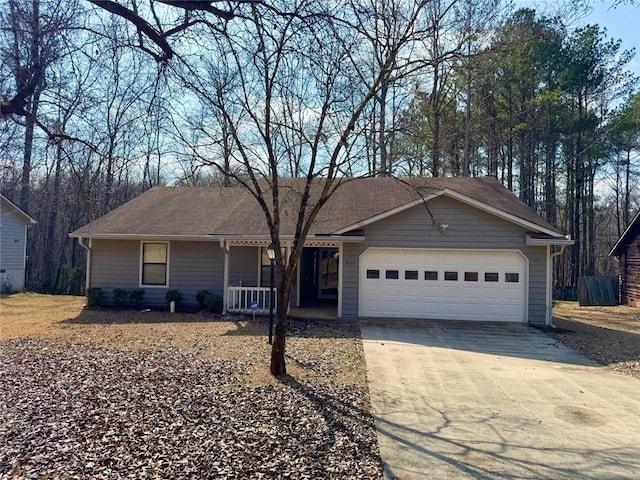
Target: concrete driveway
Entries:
(460, 400)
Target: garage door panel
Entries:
(482, 294)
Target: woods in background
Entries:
(91, 118)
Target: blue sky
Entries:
(621, 22)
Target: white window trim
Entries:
(142, 285)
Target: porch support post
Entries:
(224, 244)
(340, 276)
(287, 255)
(297, 302)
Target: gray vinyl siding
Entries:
(115, 264)
(193, 266)
(243, 266)
(468, 228)
(196, 266)
(12, 248)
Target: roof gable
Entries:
(627, 236)
(536, 226)
(7, 204)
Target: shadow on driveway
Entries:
(459, 400)
(504, 339)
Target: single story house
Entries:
(432, 248)
(14, 224)
(627, 249)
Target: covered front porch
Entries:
(317, 286)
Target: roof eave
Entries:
(138, 236)
(550, 241)
(211, 237)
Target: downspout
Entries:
(87, 281)
(549, 282)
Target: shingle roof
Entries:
(196, 211)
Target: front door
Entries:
(328, 273)
(309, 276)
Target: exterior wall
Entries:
(630, 265)
(12, 249)
(193, 266)
(468, 228)
(243, 266)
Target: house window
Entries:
(265, 266)
(511, 277)
(373, 273)
(451, 276)
(491, 277)
(155, 261)
(431, 275)
(470, 276)
(411, 275)
(392, 274)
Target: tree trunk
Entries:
(382, 144)
(550, 180)
(278, 365)
(52, 222)
(627, 193)
(435, 108)
(466, 171)
(510, 146)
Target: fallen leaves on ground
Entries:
(608, 335)
(88, 410)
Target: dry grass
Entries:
(32, 314)
(609, 335)
(315, 350)
(620, 317)
(108, 394)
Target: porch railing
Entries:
(240, 299)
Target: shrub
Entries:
(5, 287)
(214, 303)
(94, 297)
(119, 296)
(136, 296)
(174, 296)
(201, 298)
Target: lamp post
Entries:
(271, 253)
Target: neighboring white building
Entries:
(13, 245)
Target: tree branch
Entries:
(159, 37)
(141, 24)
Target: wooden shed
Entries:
(627, 249)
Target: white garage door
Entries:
(443, 284)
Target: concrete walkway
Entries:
(460, 400)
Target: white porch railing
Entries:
(240, 299)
